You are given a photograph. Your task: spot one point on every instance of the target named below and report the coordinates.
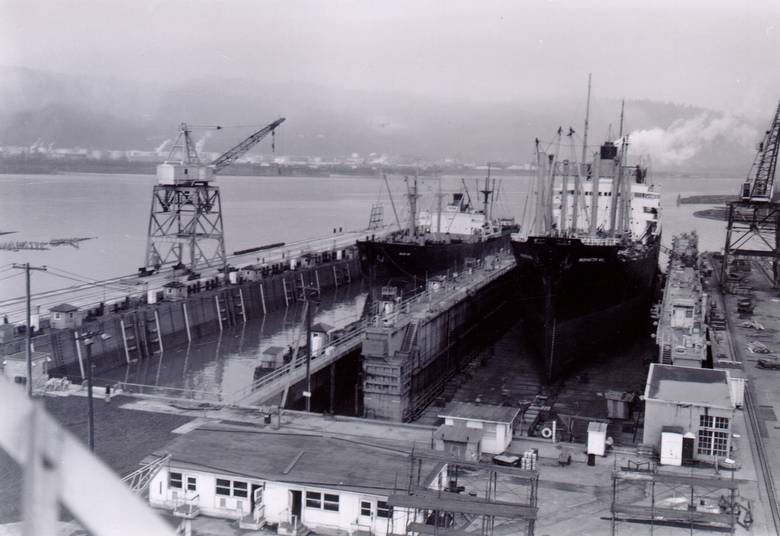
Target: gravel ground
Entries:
(122, 439)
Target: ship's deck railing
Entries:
(589, 241)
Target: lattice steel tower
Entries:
(185, 220)
(753, 228)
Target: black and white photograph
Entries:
(389, 268)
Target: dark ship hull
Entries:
(402, 258)
(580, 298)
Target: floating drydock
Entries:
(682, 334)
(138, 327)
(414, 346)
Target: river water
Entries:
(256, 210)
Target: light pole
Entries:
(86, 337)
(28, 328)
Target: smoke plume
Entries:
(685, 138)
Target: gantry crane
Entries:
(185, 221)
(753, 228)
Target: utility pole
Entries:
(28, 328)
(308, 393)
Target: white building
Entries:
(494, 423)
(694, 403)
(327, 485)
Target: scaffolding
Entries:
(672, 500)
(479, 499)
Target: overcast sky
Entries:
(714, 53)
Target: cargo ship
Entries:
(451, 238)
(588, 260)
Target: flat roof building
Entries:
(698, 401)
(327, 485)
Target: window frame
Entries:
(363, 503)
(223, 487)
(192, 481)
(385, 511)
(315, 497)
(330, 502)
(174, 480)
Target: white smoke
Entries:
(162, 146)
(201, 143)
(685, 138)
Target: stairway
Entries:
(222, 311)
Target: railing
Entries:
(156, 391)
(334, 349)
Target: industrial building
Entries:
(688, 413)
(296, 481)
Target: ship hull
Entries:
(580, 299)
(384, 259)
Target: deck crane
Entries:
(753, 228)
(185, 221)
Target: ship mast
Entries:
(587, 117)
(412, 195)
(486, 193)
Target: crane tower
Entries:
(753, 228)
(185, 220)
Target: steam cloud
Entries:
(685, 138)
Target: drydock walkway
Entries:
(88, 295)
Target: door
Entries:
(256, 497)
(687, 449)
(296, 500)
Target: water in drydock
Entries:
(225, 363)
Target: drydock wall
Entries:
(406, 364)
(140, 330)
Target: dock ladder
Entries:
(238, 305)
(341, 275)
(153, 338)
(222, 311)
(129, 340)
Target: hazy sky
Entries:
(714, 53)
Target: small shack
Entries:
(459, 440)
(496, 423)
(65, 316)
(320, 337)
(175, 290)
(15, 368)
(619, 404)
(273, 357)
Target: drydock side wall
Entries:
(141, 330)
(406, 365)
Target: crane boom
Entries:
(760, 183)
(236, 152)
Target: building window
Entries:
(239, 489)
(223, 487)
(313, 499)
(330, 502)
(712, 440)
(192, 483)
(365, 508)
(174, 480)
(383, 509)
(322, 501)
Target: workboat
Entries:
(588, 260)
(449, 239)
